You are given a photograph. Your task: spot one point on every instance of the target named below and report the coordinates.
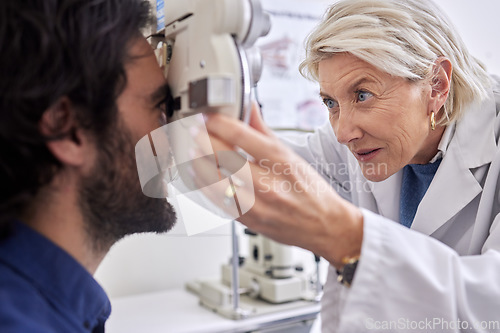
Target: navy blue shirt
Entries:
(43, 289)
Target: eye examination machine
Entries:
(208, 53)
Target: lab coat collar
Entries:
(472, 145)
(454, 185)
(445, 142)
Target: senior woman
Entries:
(410, 221)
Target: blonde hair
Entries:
(403, 38)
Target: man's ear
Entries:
(64, 139)
(440, 83)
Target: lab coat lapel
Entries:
(387, 195)
(452, 188)
(454, 185)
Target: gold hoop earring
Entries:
(433, 121)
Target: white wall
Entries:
(143, 263)
(477, 22)
(146, 262)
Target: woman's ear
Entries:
(64, 139)
(441, 83)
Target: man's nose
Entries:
(346, 127)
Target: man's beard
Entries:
(111, 198)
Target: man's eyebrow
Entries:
(159, 94)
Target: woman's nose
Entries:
(346, 127)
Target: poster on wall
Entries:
(289, 101)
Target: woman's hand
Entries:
(293, 204)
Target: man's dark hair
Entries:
(50, 49)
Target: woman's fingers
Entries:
(229, 189)
(234, 132)
(257, 122)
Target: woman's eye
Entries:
(363, 95)
(330, 103)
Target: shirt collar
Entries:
(56, 274)
(444, 143)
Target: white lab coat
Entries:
(441, 275)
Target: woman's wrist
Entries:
(347, 242)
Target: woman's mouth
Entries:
(364, 155)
